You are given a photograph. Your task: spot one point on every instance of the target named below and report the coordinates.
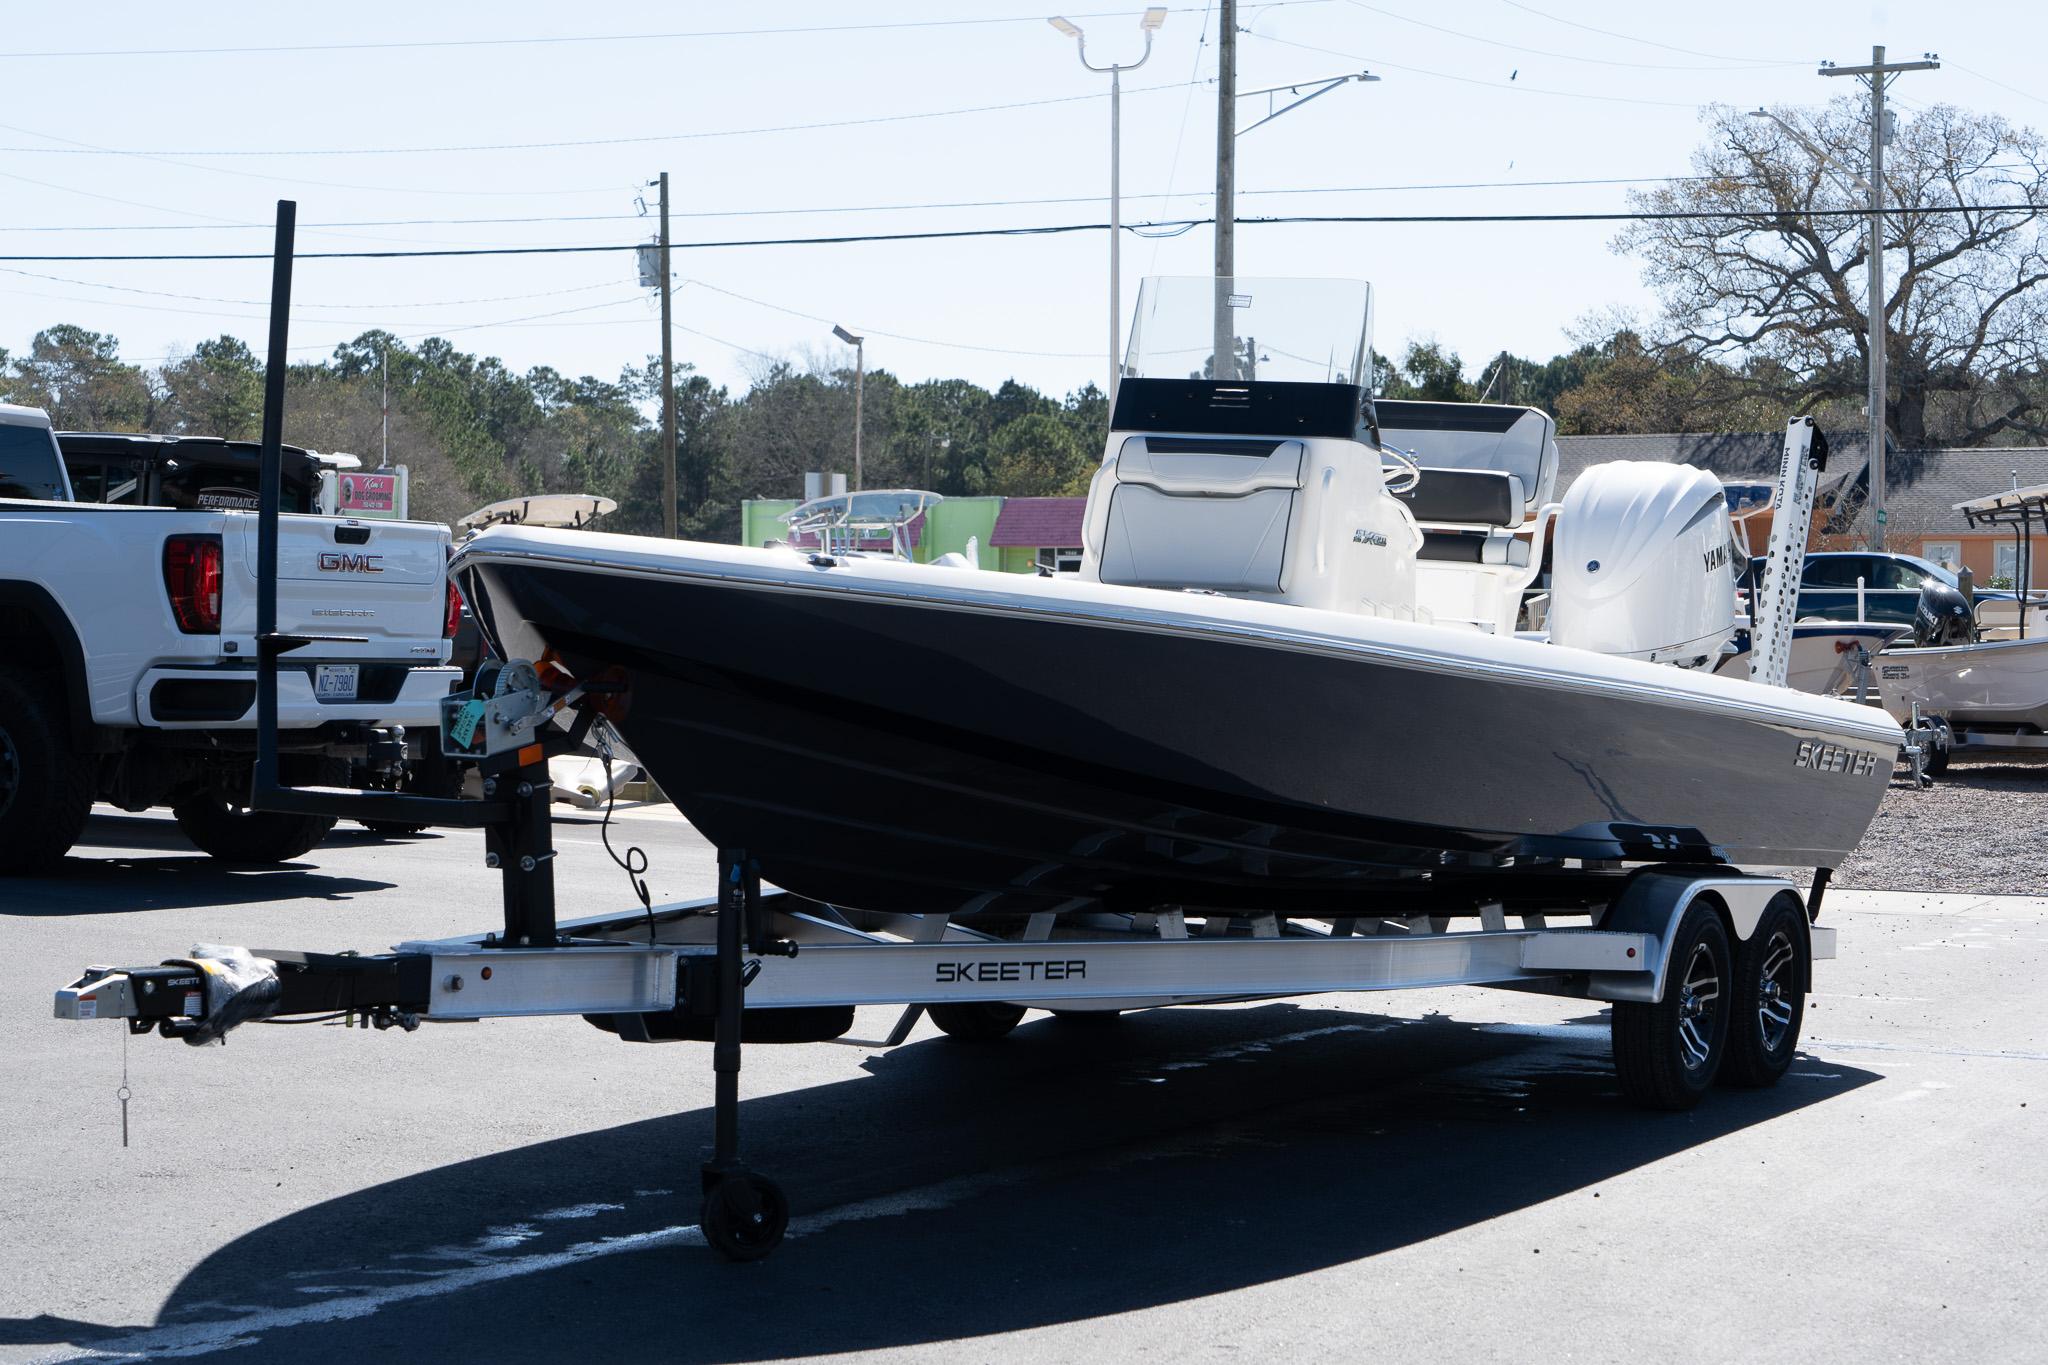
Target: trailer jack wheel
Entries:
(744, 1216)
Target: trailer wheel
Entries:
(218, 823)
(975, 1021)
(46, 790)
(1769, 1000)
(744, 1216)
(1667, 1054)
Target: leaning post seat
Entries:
(1483, 500)
(1270, 490)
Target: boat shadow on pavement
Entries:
(1066, 1173)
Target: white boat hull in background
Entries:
(1823, 655)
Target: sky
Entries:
(803, 120)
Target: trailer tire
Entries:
(975, 1021)
(1768, 1003)
(46, 790)
(1667, 1055)
(220, 825)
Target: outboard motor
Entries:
(1643, 565)
(1942, 616)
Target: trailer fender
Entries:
(1654, 902)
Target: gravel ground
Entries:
(1982, 827)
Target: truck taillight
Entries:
(452, 622)
(192, 574)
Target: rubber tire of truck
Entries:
(46, 790)
(237, 835)
(975, 1021)
(1649, 1040)
(1778, 949)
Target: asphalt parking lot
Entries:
(1443, 1175)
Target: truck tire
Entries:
(222, 826)
(46, 790)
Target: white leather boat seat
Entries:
(1472, 566)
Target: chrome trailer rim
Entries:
(1699, 996)
(1775, 989)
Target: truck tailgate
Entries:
(385, 581)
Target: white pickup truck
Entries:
(128, 657)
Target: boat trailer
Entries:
(1707, 968)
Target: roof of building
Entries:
(1922, 487)
(1039, 523)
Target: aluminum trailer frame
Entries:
(795, 969)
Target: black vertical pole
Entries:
(734, 886)
(269, 491)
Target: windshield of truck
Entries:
(1304, 331)
(29, 467)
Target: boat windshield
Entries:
(1303, 331)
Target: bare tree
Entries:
(1772, 284)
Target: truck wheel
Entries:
(975, 1021)
(46, 790)
(1667, 1054)
(1769, 999)
(218, 823)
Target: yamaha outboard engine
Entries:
(1942, 616)
(1643, 565)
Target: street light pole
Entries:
(1878, 72)
(1149, 23)
(859, 345)
(1223, 348)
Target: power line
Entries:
(878, 332)
(1060, 229)
(2028, 94)
(1564, 56)
(867, 208)
(564, 39)
(316, 307)
(74, 147)
(1646, 42)
(1516, 87)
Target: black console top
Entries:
(1237, 408)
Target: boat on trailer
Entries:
(1286, 672)
(1706, 966)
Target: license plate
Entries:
(335, 682)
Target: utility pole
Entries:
(668, 382)
(1225, 344)
(1877, 74)
(384, 373)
